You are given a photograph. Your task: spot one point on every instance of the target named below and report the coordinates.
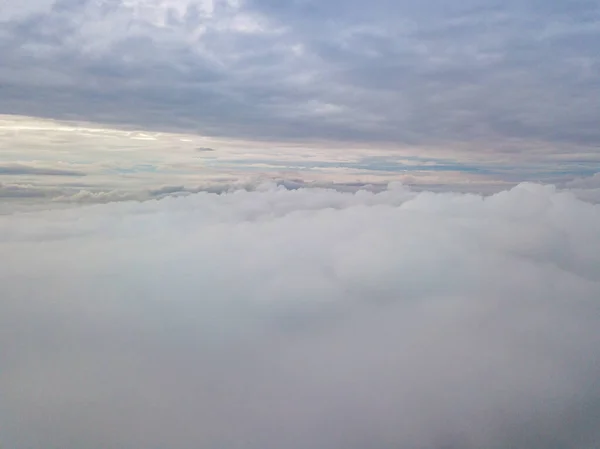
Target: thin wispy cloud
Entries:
(20, 169)
(72, 162)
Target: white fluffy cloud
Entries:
(303, 319)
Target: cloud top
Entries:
(302, 319)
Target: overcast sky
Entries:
(326, 224)
(468, 95)
(514, 73)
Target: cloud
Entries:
(305, 318)
(21, 191)
(590, 182)
(21, 169)
(121, 163)
(587, 188)
(510, 74)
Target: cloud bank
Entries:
(304, 319)
(519, 73)
(58, 163)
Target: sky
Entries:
(299, 224)
(436, 71)
(493, 92)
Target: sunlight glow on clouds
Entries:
(50, 163)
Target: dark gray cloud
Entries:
(403, 71)
(21, 169)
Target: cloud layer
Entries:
(519, 73)
(49, 163)
(305, 319)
